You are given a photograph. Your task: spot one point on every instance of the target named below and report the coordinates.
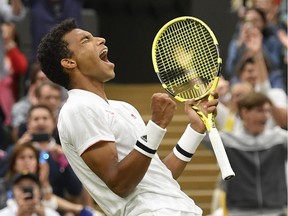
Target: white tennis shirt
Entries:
(84, 120)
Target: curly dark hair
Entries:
(52, 49)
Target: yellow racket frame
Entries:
(189, 69)
(198, 90)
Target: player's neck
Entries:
(94, 87)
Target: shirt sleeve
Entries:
(84, 127)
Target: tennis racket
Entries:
(186, 58)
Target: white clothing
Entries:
(6, 12)
(278, 97)
(165, 212)
(12, 207)
(86, 119)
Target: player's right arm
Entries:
(123, 176)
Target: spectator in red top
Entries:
(15, 65)
(14, 57)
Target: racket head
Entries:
(186, 58)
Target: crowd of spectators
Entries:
(252, 114)
(256, 67)
(28, 122)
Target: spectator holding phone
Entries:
(26, 158)
(50, 95)
(41, 124)
(20, 108)
(26, 201)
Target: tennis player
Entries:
(106, 142)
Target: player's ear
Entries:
(68, 63)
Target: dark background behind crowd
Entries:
(130, 26)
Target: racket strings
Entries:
(187, 59)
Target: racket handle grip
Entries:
(221, 156)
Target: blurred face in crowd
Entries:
(19, 194)
(254, 120)
(50, 97)
(254, 18)
(26, 160)
(40, 78)
(249, 74)
(40, 121)
(8, 31)
(223, 87)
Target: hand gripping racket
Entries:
(186, 58)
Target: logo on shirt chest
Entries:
(133, 116)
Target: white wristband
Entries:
(188, 144)
(149, 142)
